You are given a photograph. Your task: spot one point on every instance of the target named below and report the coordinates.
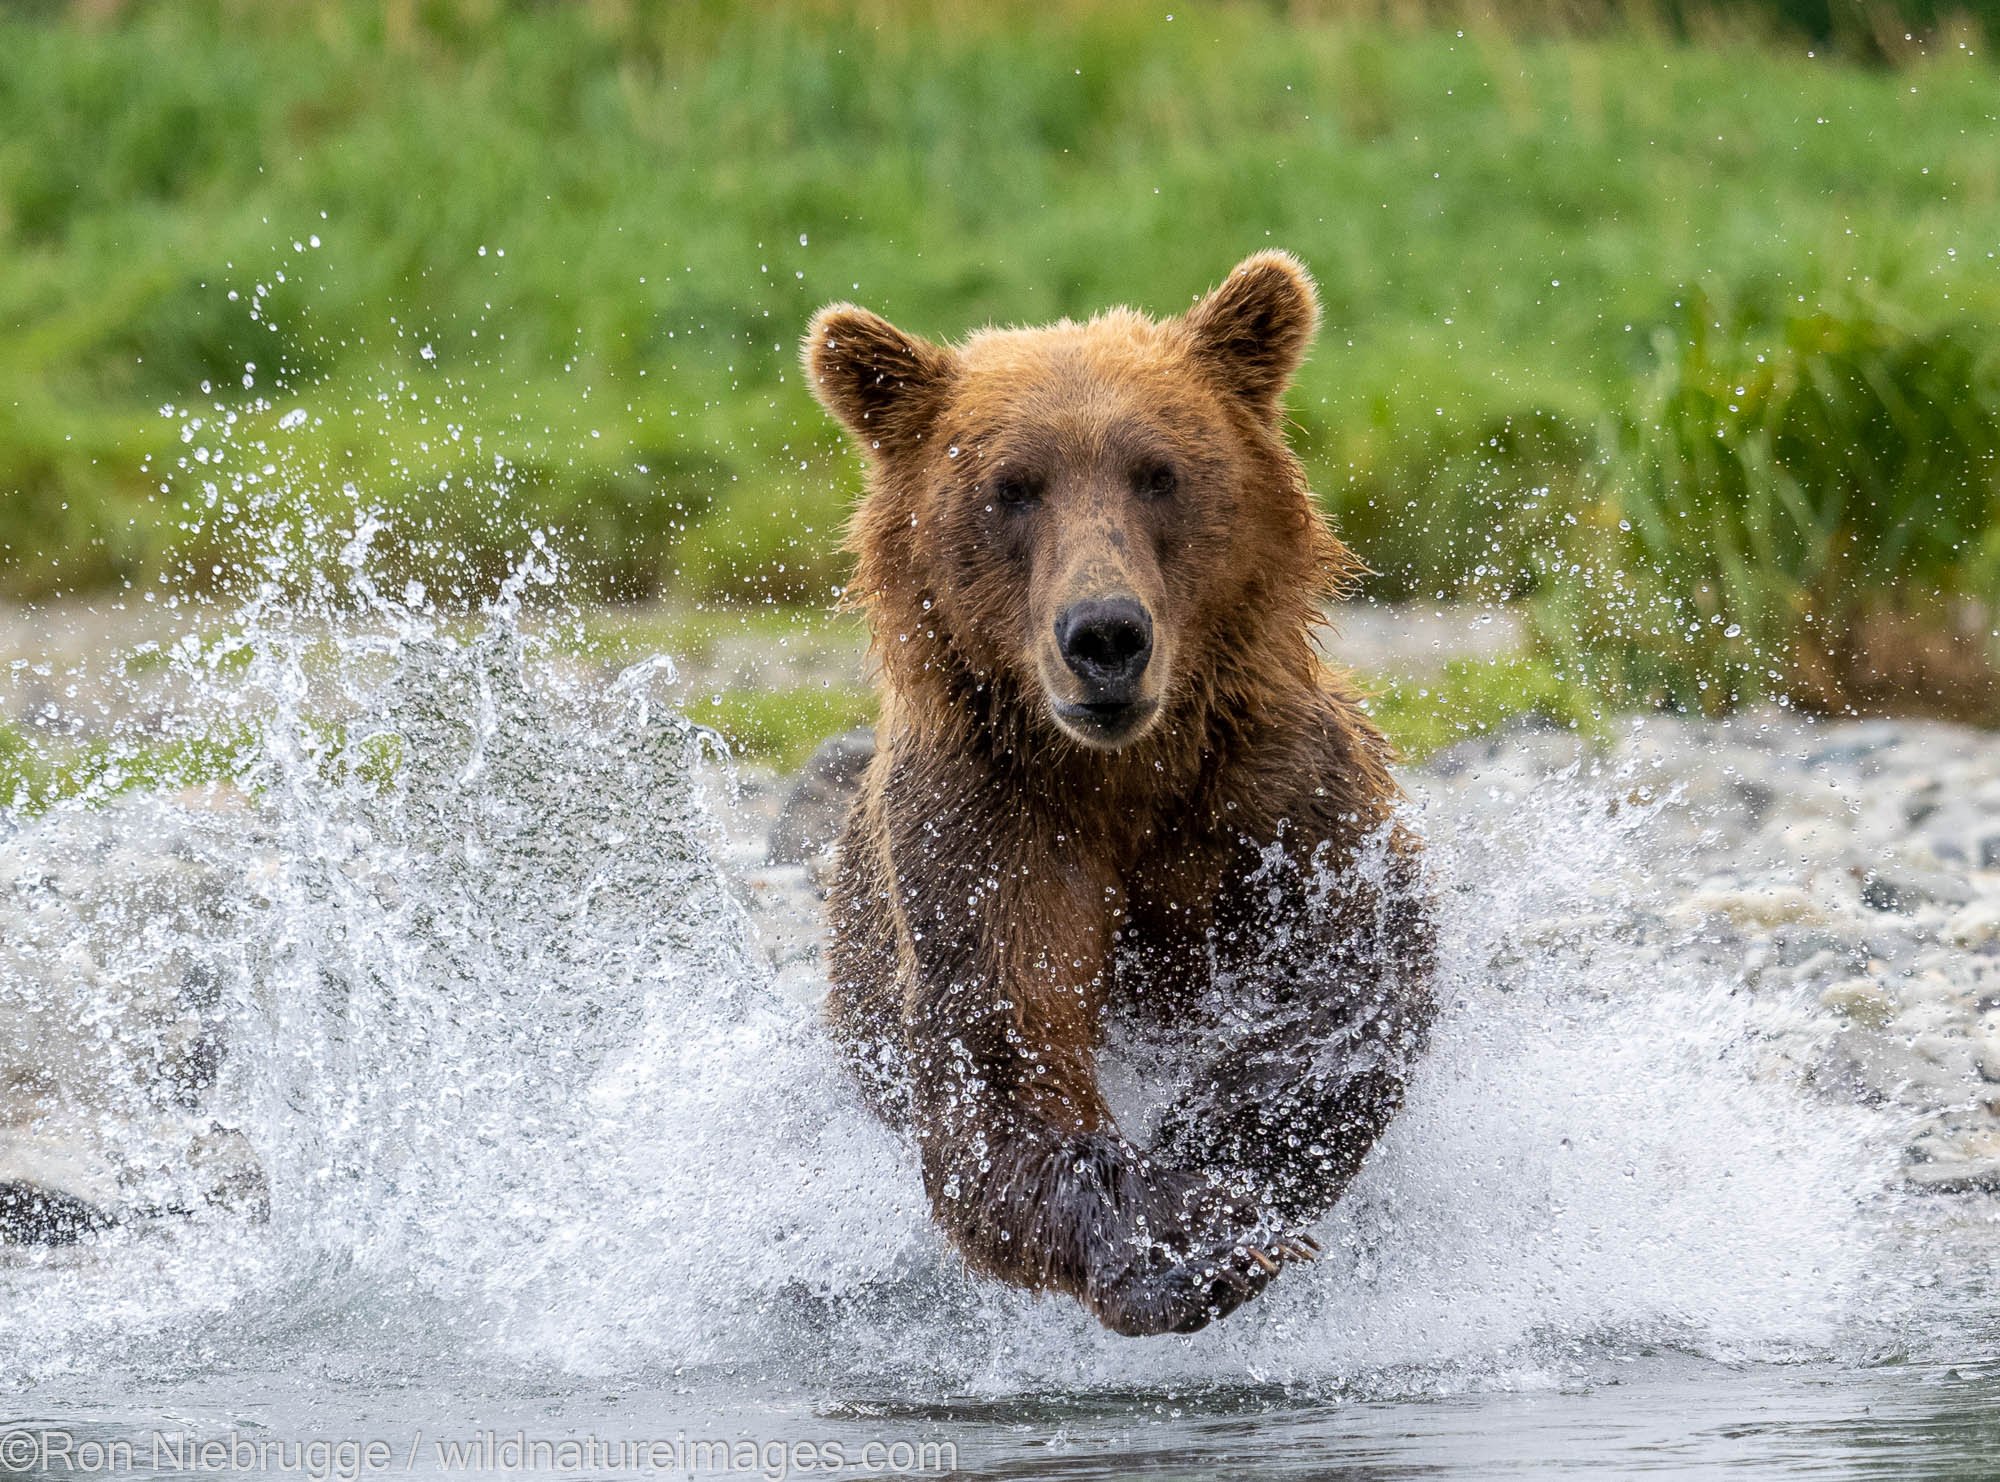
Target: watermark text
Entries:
(55, 1453)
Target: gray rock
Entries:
(1978, 925)
(1799, 943)
(1902, 890)
(31, 1214)
(1822, 967)
(1986, 1046)
(1966, 1177)
(815, 809)
(114, 986)
(1949, 851)
(1871, 1066)
(1863, 1000)
(1849, 745)
(1923, 802)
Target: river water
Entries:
(538, 1155)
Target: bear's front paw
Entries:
(1185, 1293)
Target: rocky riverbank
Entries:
(1846, 875)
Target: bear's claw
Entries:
(1189, 1294)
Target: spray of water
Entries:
(464, 1020)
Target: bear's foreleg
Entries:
(1320, 1044)
(1041, 1197)
(1007, 949)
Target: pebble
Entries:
(1756, 906)
(1977, 925)
(1986, 1046)
(1890, 888)
(1863, 1000)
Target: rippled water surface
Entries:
(543, 1152)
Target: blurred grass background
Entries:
(1673, 325)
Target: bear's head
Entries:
(1098, 525)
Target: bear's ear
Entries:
(1253, 331)
(885, 385)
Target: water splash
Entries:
(520, 1097)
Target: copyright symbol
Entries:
(19, 1450)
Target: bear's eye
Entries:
(1017, 490)
(1155, 480)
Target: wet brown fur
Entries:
(1002, 884)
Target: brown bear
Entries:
(1112, 775)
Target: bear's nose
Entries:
(1106, 643)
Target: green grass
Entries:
(1546, 259)
(781, 727)
(36, 775)
(1468, 699)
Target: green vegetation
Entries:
(781, 727)
(1789, 479)
(36, 774)
(781, 680)
(1664, 338)
(1469, 698)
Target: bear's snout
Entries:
(1107, 643)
